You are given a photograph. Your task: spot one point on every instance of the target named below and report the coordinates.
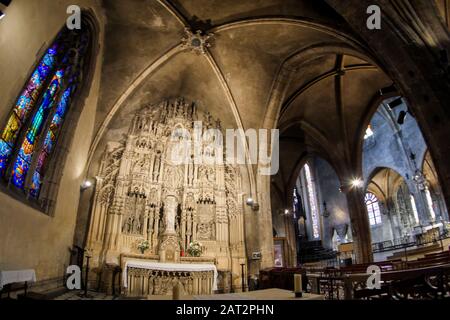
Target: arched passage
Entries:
(313, 219)
(391, 208)
(399, 172)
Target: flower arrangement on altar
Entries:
(195, 249)
(143, 245)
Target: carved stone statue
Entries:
(170, 213)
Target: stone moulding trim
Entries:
(169, 7)
(294, 21)
(236, 114)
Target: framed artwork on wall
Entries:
(278, 254)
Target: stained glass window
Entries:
(32, 129)
(312, 202)
(295, 204)
(373, 209)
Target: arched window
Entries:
(34, 125)
(312, 197)
(296, 204)
(414, 208)
(430, 203)
(373, 209)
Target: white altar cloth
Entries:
(180, 267)
(9, 277)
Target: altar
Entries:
(144, 278)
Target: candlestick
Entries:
(298, 288)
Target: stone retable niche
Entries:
(140, 194)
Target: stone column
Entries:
(112, 233)
(265, 228)
(362, 244)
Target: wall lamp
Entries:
(251, 203)
(2, 15)
(86, 185)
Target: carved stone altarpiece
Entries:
(141, 194)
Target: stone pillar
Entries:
(112, 233)
(265, 228)
(291, 245)
(362, 244)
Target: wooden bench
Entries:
(13, 288)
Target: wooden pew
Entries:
(362, 268)
(427, 262)
(421, 283)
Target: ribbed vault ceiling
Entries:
(237, 79)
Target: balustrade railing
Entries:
(409, 241)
